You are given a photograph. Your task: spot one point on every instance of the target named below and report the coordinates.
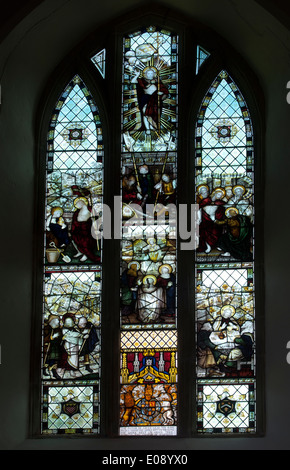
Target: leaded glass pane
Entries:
(99, 60)
(226, 407)
(72, 265)
(201, 56)
(225, 269)
(70, 409)
(148, 253)
(224, 137)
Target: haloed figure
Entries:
(236, 241)
(151, 93)
(57, 228)
(211, 209)
(72, 340)
(83, 241)
(151, 300)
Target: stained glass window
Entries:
(148, 395)
(99, 60)
(150, 331)
(72, 265)
(224, 272)
(201, 56)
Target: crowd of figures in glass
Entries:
(225, 320)
(73, 272)
(149, 239)
(148, 257)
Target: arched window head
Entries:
(224, 137)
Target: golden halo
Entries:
(201, 186)
(231, 209)
(134, 263)
(228, 307)
(81, 198)
(219, 190)
(239, 186)
(53, 209)
(146, 69)
(148, 276)
(167, 266)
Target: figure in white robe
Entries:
(151, 300)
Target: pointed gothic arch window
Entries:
(149, 256)
(72, 266)
(225, 262)
(148, 314)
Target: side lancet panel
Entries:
(225, 262)
(72, 276)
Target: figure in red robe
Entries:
(150, 92)
(211, 210)
(81, 232)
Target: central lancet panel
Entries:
(148, 375)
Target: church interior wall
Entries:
(29, 54)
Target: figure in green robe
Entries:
(237, 239)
